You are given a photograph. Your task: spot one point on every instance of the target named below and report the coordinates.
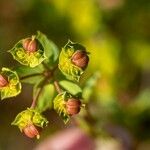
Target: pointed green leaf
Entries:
(14, 86)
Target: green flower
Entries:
(13, 87)
(71, 70)
(60, 105)
(29, 51)
(28, 117)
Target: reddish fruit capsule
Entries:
(80, 59)
(31, 131)
(30, 45)
(73, 106)
(3, 81)
(73, 111)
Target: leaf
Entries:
(51, 50)
(33, 80)
(28, 59)
(45, 98)
(24, 70)
(71, 87)
(71, 71)
(33, 74)
(14, 86)
(89, 85)
(59, 106)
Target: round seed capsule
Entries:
(30, 45)
(31, 131)
(73, 111)
(28, 133)
(3, 81)
(73, 106)
(80, 59)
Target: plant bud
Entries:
(31, 131)
(30, 45)
(80, 59)
(73, 106)
(3, 81)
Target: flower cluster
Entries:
(40, 60)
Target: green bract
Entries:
(29, 59)
(46, 96)
(71, 71)
(60, 107)
(71, 87)
(29, 116)
(14, 86)
(50, 49)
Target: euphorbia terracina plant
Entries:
(54, 75)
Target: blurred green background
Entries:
(117, 34)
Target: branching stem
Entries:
(48, 74)
(39, 91)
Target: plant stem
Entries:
(57, 87)
(31, 75)
(36, 98)
(47, 74)
(47, 77)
